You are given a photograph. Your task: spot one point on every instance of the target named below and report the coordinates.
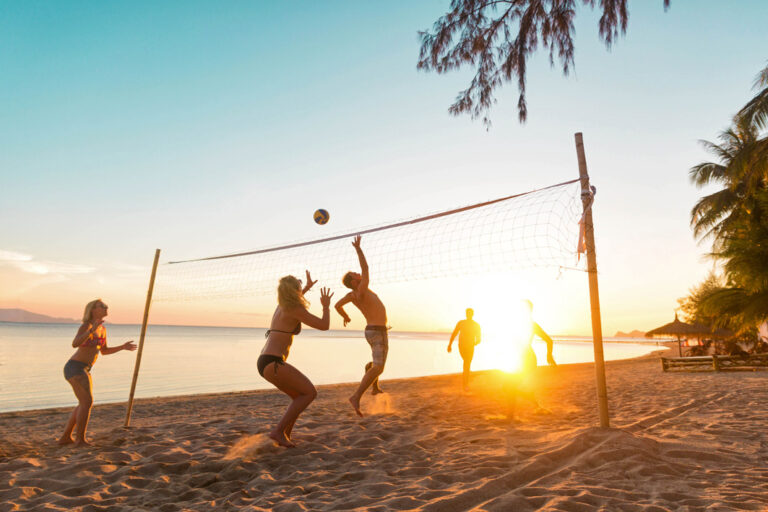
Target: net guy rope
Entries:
(546, 227)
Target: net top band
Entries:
(373, 230)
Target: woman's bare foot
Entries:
(281, 440)
(65, 440)
(82, 442)
(356, 405)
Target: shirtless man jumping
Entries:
(375, 315)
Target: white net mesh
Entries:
(532, 229)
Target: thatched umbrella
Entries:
(678, 328)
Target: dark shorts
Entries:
(74, 368)
(266, 359)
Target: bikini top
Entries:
(97, 339)
(295, 331)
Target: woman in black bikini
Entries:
(90, 339)
(291, 312)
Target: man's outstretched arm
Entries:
(543, 335)
(340, 308)
(453, 335)
(364, 279)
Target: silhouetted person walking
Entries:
(469, 336)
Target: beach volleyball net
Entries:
(549, 228)
(538, 228)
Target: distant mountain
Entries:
(633, 334)
(24, 316)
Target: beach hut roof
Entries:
(678, 328)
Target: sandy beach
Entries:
(677, 442)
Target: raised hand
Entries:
(310, 283)
(325, 295)
(356, 242)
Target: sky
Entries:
(204, 128)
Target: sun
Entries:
(506, 330)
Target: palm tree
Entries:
(744, 297)
(756, 111)
(742, 170)
(736, 217)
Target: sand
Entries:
(677, 442)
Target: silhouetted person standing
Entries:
(469, 336)
(522, 383)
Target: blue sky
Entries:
(210, 127)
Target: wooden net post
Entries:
(594, 296)
(141, 339)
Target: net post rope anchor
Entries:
(588, 198)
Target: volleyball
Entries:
(321, 216)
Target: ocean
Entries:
(181, 360)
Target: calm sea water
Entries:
(180, 360)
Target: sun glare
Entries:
(505, 333)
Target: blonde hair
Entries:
(289, 293)
(89, 310)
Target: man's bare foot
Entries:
(356, 405)
(376, 391)
(281, 440)
(65, 440)
(82, 442)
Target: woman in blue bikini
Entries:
(90, 339)
(290, 313)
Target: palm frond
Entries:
(710, 211)
(730, 307)
(706, 173)
(755, 112)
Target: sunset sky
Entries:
(203, 128)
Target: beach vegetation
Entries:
(497, 37)
(702, 306)
(734, 219)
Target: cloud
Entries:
(52, 267)
(27, 263)
(14, 256)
